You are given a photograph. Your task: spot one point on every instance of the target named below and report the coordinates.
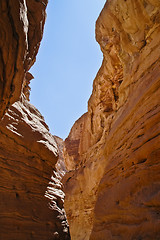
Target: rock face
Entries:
(21, 28)
(28, 152)
(112, 152)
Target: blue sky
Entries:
(67, 63)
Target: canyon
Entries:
(103, 181)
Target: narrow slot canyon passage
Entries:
(81, 55)
(93, 173)
(67, 63)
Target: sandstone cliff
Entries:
(28, 154)
(31, 202)
(112, 152)
(21, 28)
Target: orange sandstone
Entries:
(112, 153)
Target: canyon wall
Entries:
(21, 29)
(112, 152)
(28, 156)
(31, 201)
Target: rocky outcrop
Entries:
(28, 154)
(31, 202)
(112, 152)
(21, 28)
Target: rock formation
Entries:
(28, 152)
(21, 28)
(112, 152)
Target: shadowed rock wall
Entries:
(28, 152)
(112, 152)
(21, 29)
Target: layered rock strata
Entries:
(112, 152)
(28, 154)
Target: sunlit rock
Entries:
(112, 187)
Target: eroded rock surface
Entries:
(21, 29)
(112, 153)
(28, 154)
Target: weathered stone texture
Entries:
(28, 154)
(21, 29)
(112, 189)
